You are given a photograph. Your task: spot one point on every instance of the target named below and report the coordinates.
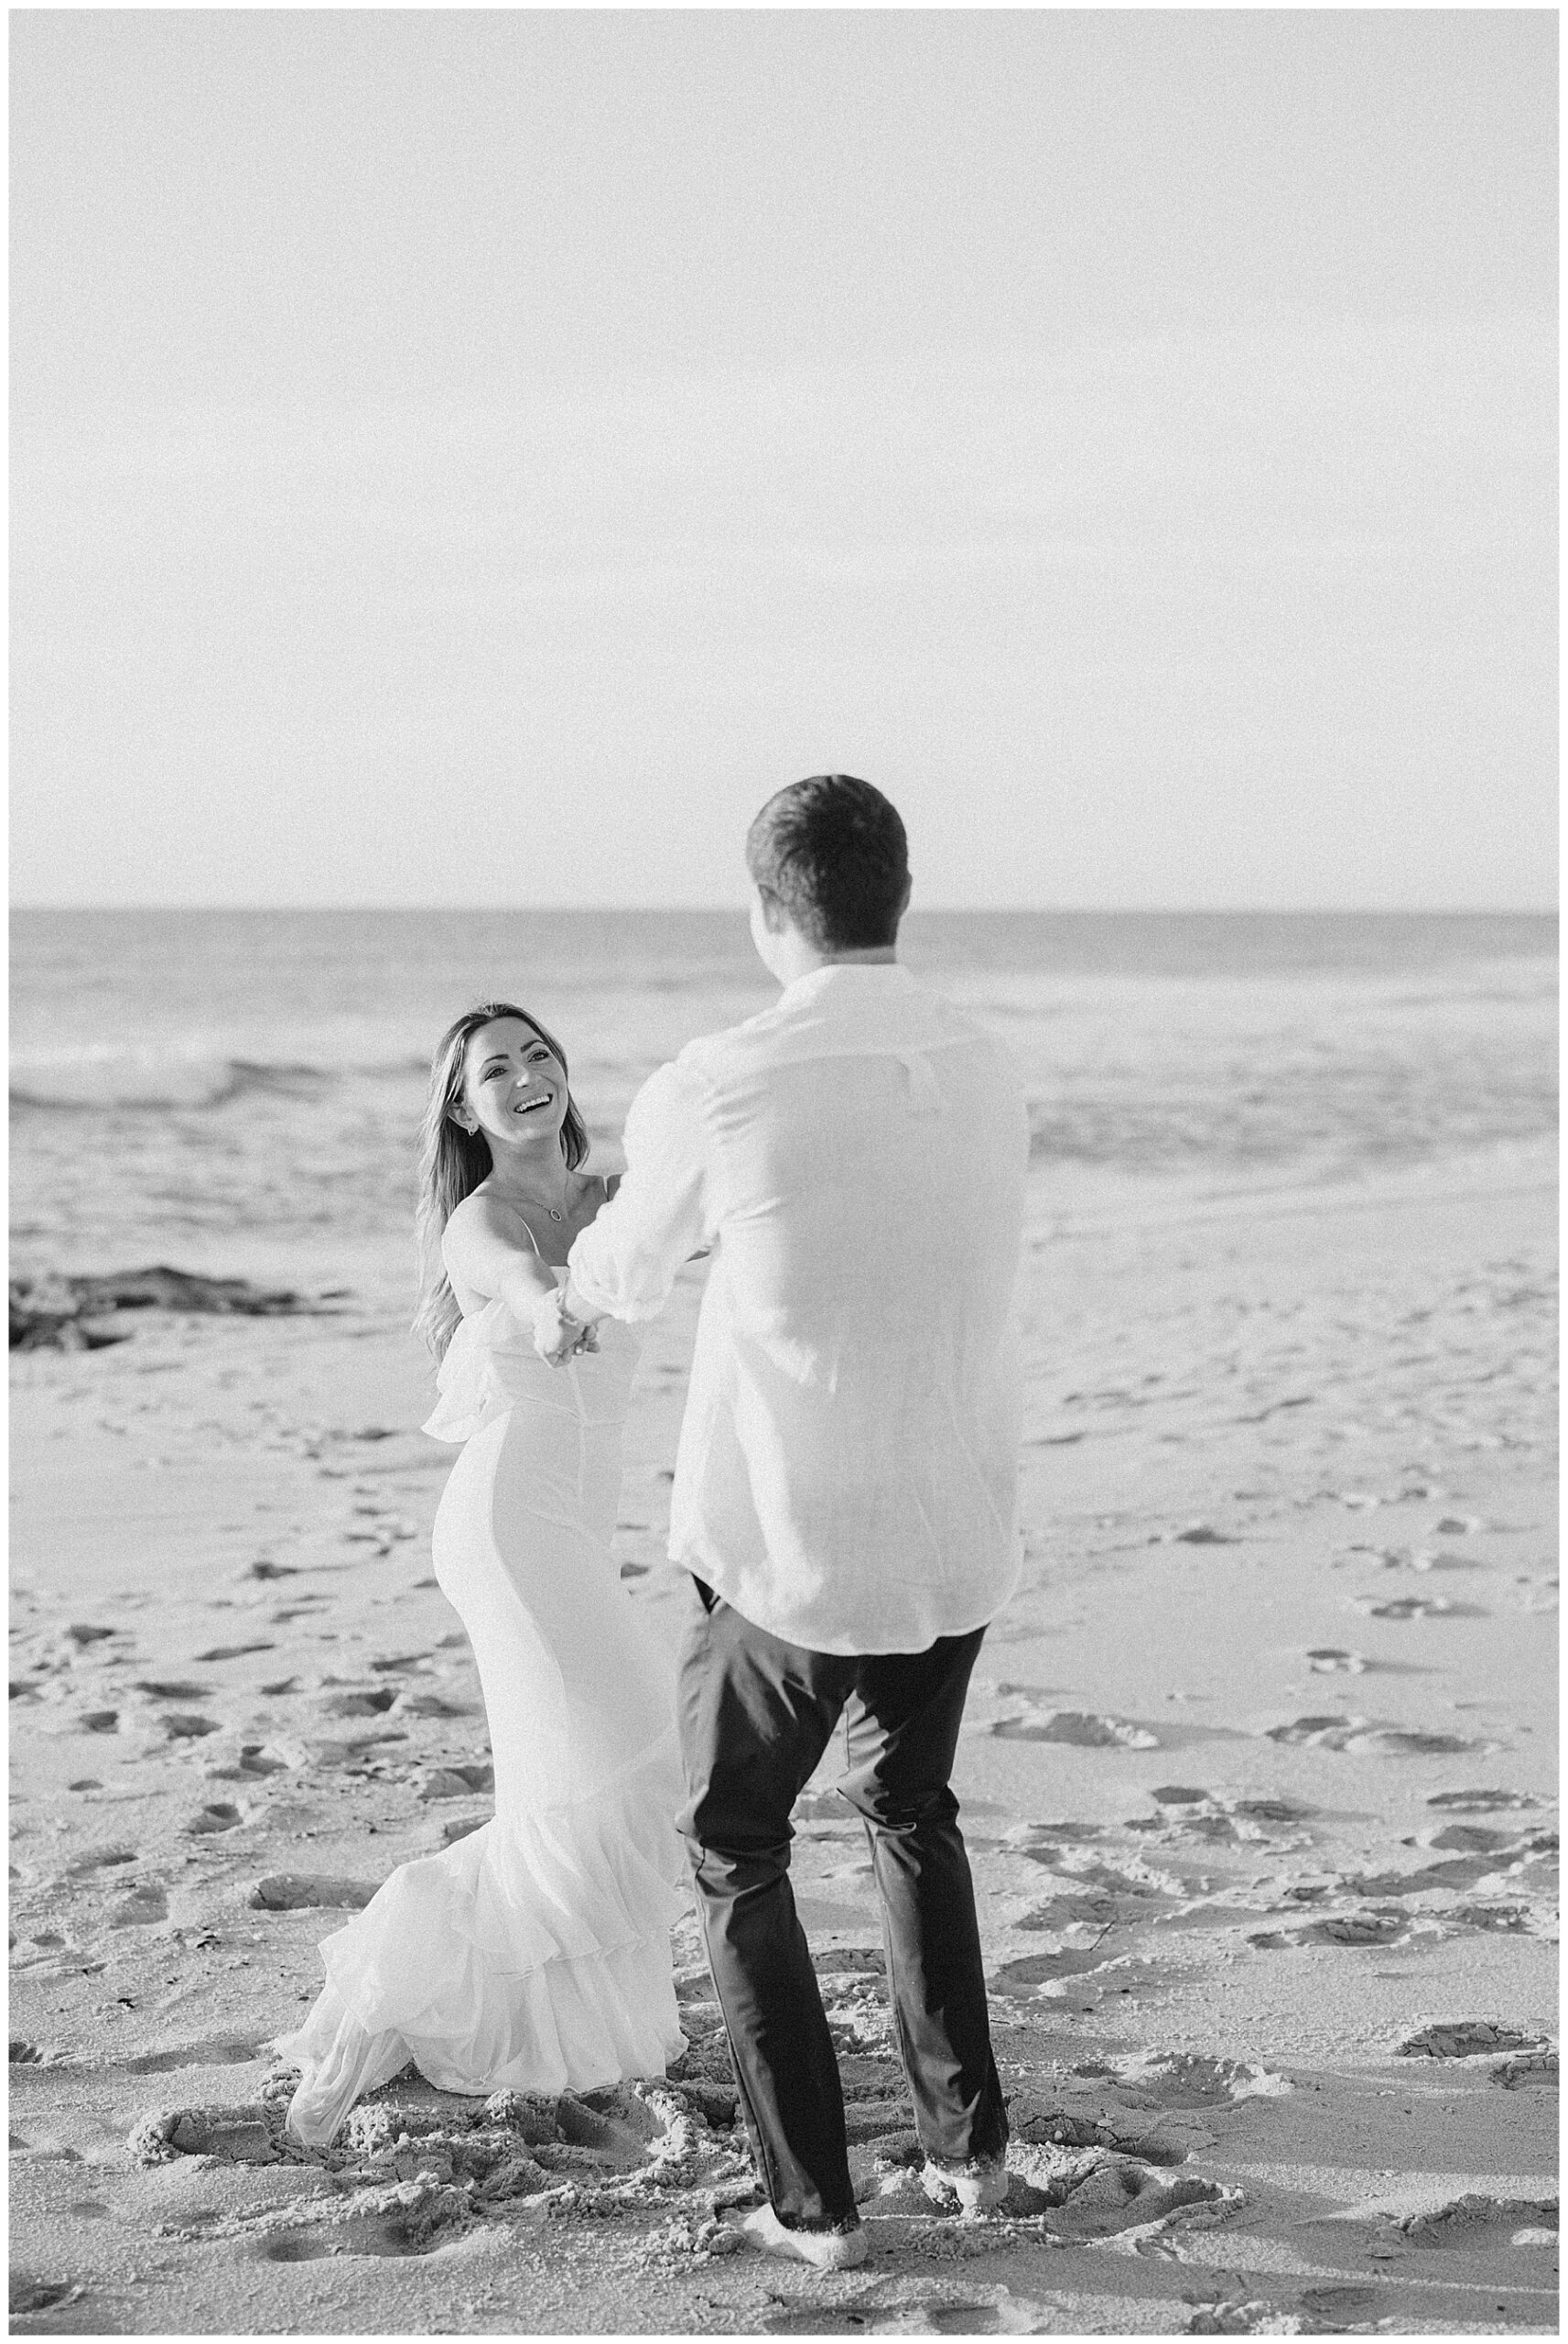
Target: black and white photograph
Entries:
(783, 1043)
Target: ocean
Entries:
(240, 1090)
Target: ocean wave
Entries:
(156, 1082)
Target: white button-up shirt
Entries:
(847, 1464)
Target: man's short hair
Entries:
(833, 851)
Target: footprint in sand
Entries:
(1008, 2315)
(98, 1721)
(1527, 2069)
(1238, 2316)
(232, 1651)
(296, 1892)
(239, 2135)
(1420, 1607)
(1332, 1660)
(145, 1904)
(84, 1633)
(1463, 2038)
(1034, 2118)
(1088, 1911)
(1339, 2305)
(1120, 2197)
(172, 1688)
(1071, 1966)
(1493, 1920)
(1466, 1838)
(100, 1859)
(224, 2053)
(372, 1702)
(1457, 1871)
(456, 1782)
(1484, 1802)
(28, 2296)
(1359, 1736)
(188, 1725)
(1350, 1929)
(1189, 2080)
(1192, 1822)
(1398, 1741)
(1477, 2221)
(1316, 1732)
(432, 1705)
(1080, 1729)
(219, 1816)
(255, 1759)
(1272, 1810)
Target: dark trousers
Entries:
(756, 1714)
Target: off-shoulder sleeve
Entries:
(627, 1260)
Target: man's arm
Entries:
(626, 1261)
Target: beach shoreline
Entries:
(1258, 1777)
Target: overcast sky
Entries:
(480, 456)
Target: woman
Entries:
(534, 1954)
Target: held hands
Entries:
(556, 1337)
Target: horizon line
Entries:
(984, 911)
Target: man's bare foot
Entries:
(839, 2250)
(980, 2187)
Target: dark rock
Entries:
(61, 1313)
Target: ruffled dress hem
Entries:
(533, 1955)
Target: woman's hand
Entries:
(558, 1335)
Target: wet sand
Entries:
(1257, 1777)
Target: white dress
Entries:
(533, 1955)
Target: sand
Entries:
(1257, 1777)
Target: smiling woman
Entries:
(533, 1954)
(502, 1130)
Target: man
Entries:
(844, 1492)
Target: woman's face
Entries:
(514, 1088)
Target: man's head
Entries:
(828, 857)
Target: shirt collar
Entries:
(835, 976)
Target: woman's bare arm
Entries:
(486, 1248)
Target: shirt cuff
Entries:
(606, 1296)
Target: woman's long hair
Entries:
(453, 1162)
